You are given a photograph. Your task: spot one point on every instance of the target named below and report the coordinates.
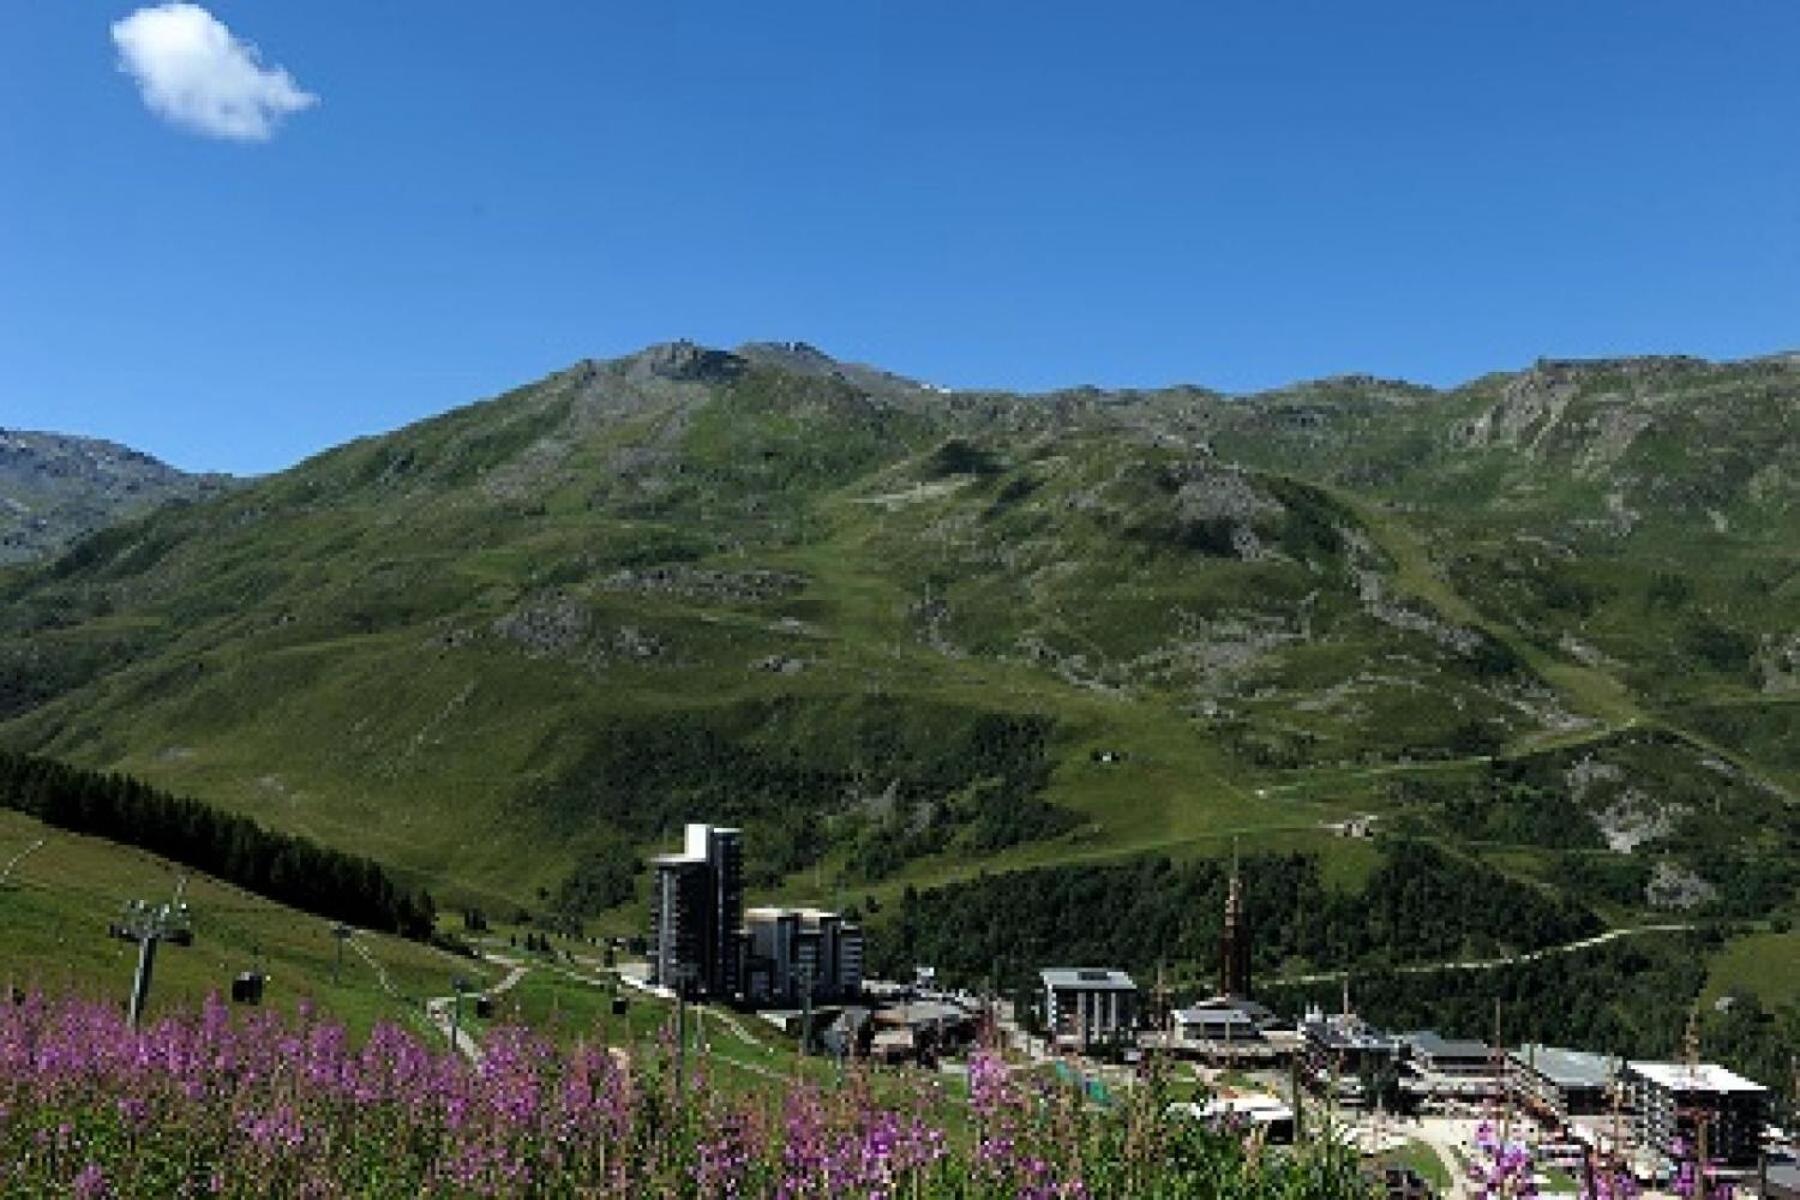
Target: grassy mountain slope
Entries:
(903, 635)
(1635, 517)
(55, 906)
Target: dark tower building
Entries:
(724, 849)
(679, 907)
(697, 908)
(1234, 943)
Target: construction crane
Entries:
(1700, 1116)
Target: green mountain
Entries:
(55, 488)
(1550, 619)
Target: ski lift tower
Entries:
(147, 925)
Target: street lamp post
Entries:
(806, 985)
(684, 976)
(342, 933)
(459, 985)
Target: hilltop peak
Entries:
(684, 361)
(794, 356)
(803, 358)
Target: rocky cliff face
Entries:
(55, 488)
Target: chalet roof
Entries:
(920, 1013)
(1202, 1014)
(1087, 979)
(678, 859)
(1567, 1068)
(1700, 1077)
(1217, 1008)
(1348, 1033)
(1433, 1044)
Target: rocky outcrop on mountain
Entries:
(55, 488)
(689, 363)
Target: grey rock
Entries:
(56, 489)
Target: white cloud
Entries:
(194, 73)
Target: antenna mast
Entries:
(1691, 1053)
(1506, 1102)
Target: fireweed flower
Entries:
(1606, 1180)
(1505, 1169)
(990, 1089)
(257, 1104)
(90, 1183)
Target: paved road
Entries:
(439, 1008)
(1442, 1134)
(1489, 964)
(736, 1026)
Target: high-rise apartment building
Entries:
(791, 950)
(701, 944)
(697, 907)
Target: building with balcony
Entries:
(1343, 1054)
(795, 955)
(1695, 1104)
(1557, 1085)
(1085, 1006)
(1451, 1069)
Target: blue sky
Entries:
(1023, 195)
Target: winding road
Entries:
(440, 1008)
(1490, 964)
(730, 1021)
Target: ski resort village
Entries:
(1426, 1108)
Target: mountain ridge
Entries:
(56, 487)
(888, 626)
